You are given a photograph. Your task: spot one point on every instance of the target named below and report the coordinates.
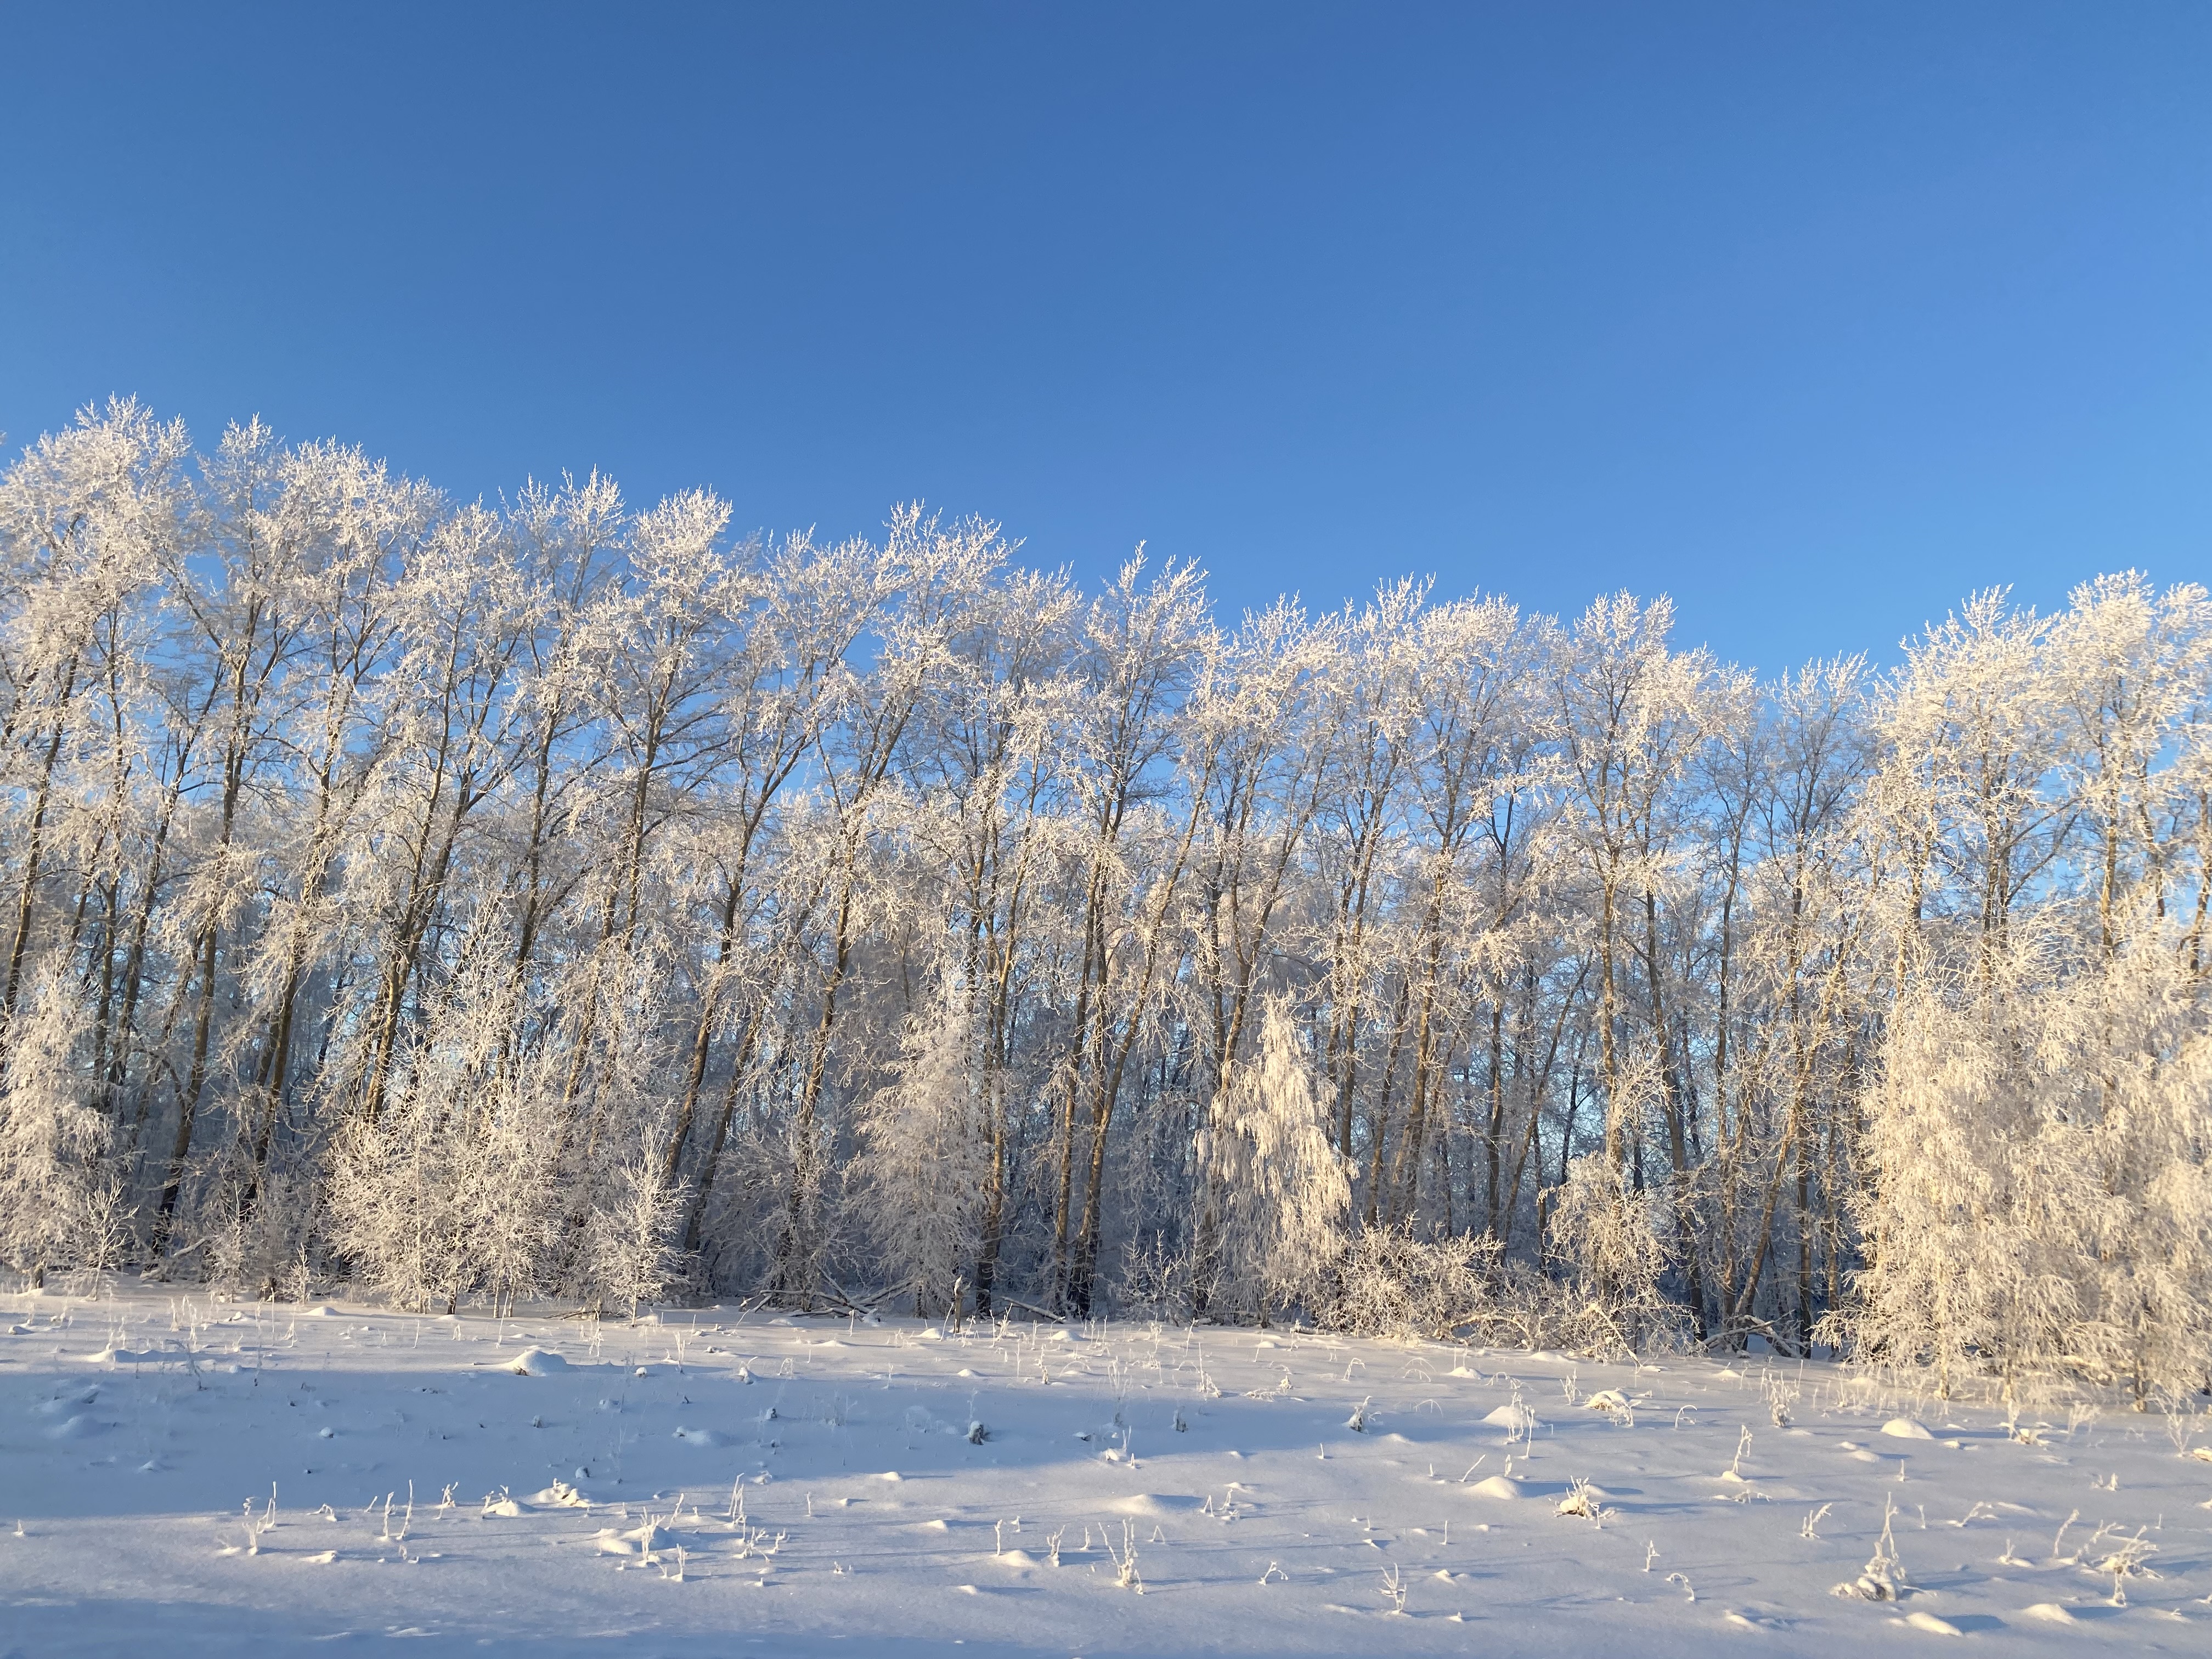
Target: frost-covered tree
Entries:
(2036, 1129)
(2040, 1200)
(1614, 1243)
(632, 1232)
(925, 1151)
(54, 1189)
(1284, 1193)
(556, 896)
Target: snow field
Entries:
(750, 1482)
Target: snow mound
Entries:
(1608, 1399)
(1933, 1623)
(1905, 1428)
(115, 1356)
(1499, 1485)
(638, 1540)
(1512, 1417)
(1016, 1559)
(79, 1427)
(1154, 1502)
(322, 1311)
(537, 1362)
(2052, 1611)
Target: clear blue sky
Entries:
(1815, 317)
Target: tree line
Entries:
(481, 901)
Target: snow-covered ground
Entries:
(178, 1476)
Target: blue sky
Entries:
(1815, 316)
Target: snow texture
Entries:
(249, 1478)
